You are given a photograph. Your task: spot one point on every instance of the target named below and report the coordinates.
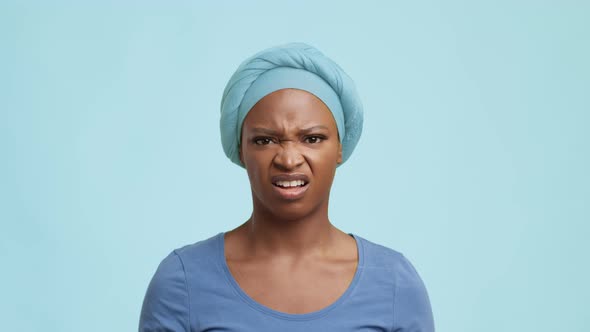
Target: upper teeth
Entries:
(293, 183)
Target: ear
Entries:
(339, 161)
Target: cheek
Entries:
(256, 165)
(252, 168)
(323, 162)
(326, 155)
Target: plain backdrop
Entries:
(474, 160)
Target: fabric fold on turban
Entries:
(298, 66)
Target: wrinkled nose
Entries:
(288, 157)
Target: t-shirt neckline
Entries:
(220, 241)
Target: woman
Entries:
(290, 116)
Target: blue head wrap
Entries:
(297, 66)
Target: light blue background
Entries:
(473, 162)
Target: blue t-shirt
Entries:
(193, 290)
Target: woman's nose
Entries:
(288, 157)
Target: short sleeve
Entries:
(166, 304)
(412, 310)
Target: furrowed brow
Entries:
(270, 132)
(314, 128)
(265, 131)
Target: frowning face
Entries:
(290, 148)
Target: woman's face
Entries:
(290, 148)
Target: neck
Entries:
(309, 234)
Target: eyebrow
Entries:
(274, 133)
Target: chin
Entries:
(292, 211)
(268, 203)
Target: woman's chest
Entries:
(261, 299)
(294, 288)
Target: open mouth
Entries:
(290, 189)
(290, 184)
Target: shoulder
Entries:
(412, 306)
(379, 256)
(390, 262)
(167, 299)
(201, 252)
(175, 264)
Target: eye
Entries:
(262, 140)
(314, 139)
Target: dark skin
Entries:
(288, 256)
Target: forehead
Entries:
(289, 108)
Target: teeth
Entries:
(287, 184)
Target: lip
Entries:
(290, 177)
(292, 193)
